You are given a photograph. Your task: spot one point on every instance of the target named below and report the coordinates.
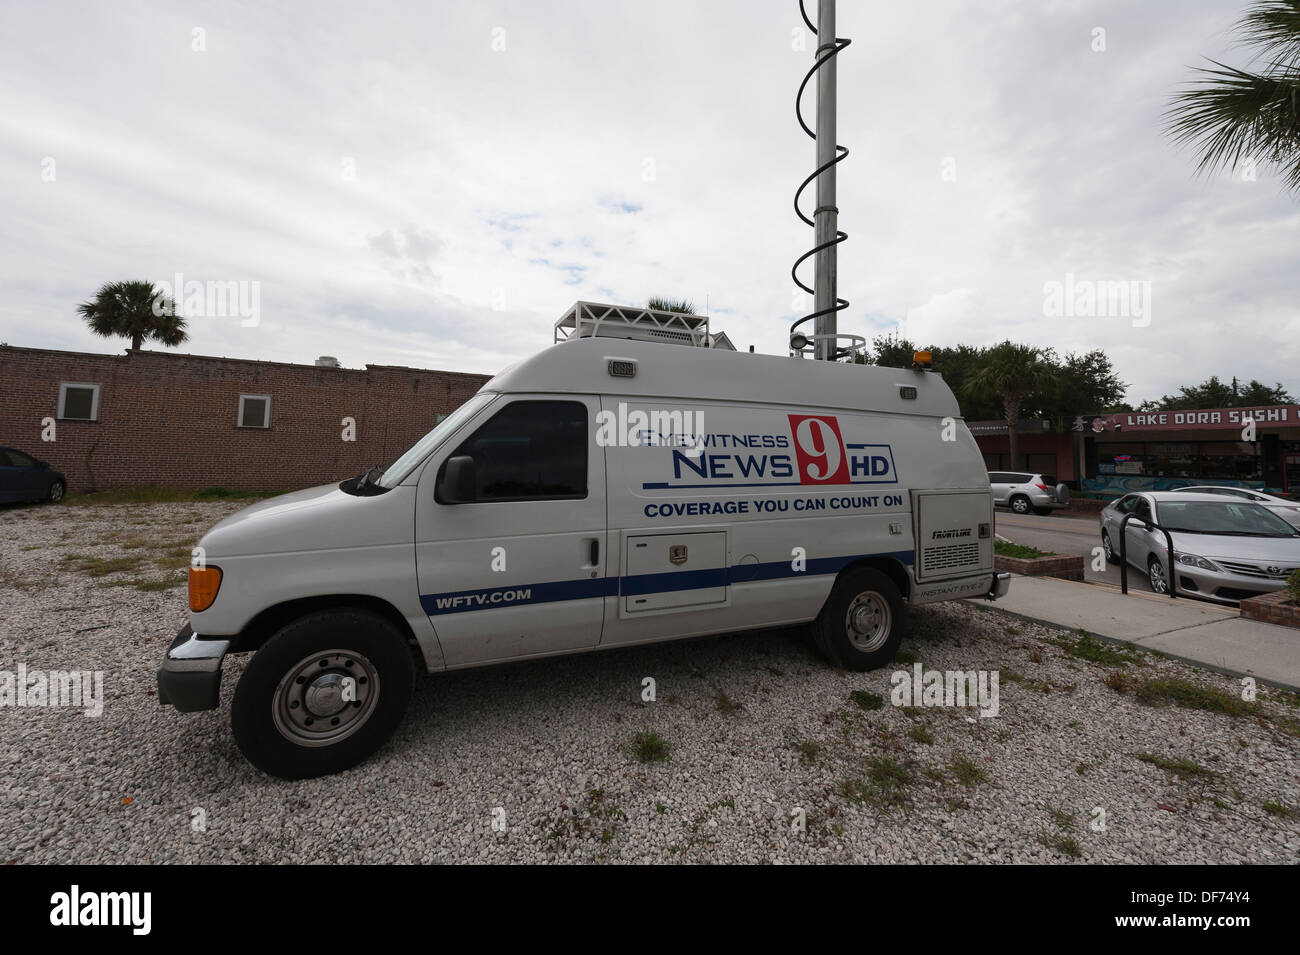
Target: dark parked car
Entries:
(24, 478)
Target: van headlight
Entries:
(1191, 560)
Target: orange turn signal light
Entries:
(204, 584)
(921, 358)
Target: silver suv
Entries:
(1024, 491)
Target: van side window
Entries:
(531, 450)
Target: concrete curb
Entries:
(1116, 641)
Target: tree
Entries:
(1011, 372)
(659, 304)
(1239, 116)
(1213, 393)
(134, 310)
(1084, 383)
(890, 351)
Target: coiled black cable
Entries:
(837, 44)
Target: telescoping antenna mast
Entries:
(826, 300)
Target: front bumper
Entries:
(1001, 584)
(1226, 588)
(190, 676)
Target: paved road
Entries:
(1065, 535)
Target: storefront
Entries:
(1040, 448)
(1152, 451)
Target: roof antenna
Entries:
(826, 300)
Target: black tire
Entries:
(268, 696)
(1020, 504)
(1108, 550)
(56, 492)
(831, 629)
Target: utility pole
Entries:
(826, 216)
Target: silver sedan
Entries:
(1225, 548)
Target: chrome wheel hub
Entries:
(325, 697)
(868, 621)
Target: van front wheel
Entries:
(861, 625)
(323, 694)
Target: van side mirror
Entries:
(459, 484)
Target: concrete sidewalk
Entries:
(1208, 635)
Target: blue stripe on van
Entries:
(588, 588)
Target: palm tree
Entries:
(1243, 115)
(134, 310)
(659, 304)
(1011, 372)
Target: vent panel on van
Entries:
(952, 533)
(950, 557)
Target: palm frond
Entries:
(1273, 26)
(1234, 115)
(659, 304)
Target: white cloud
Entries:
(407, 194)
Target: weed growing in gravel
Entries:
(1182, 767)
(808, 750)
(725, 705)
(1087, 647)
(1117, 681)
(1191, 696)
(650, 747)
(598, 817)
(967, 771)
(102, 566)
(1012, 676)
(867, 701)
(921, 735)
(1067, 845)
(906, 658)
(1061, 819)
(162, 495)
(884, 783)
(1281, 809)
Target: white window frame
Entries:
(94, 399)
(239, 421)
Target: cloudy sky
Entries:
(434, 183)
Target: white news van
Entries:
(604, 493)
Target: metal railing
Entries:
(1171, 583)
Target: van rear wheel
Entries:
(323, 694)
(861, 625)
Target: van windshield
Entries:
(397, 472)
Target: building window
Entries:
(255, 411)
(78, 402)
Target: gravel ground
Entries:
(755, 726)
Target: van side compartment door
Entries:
(520, 570)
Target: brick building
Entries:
(154, 418)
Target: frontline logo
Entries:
(949, 534)
(820, 458)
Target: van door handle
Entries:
(595, 551)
